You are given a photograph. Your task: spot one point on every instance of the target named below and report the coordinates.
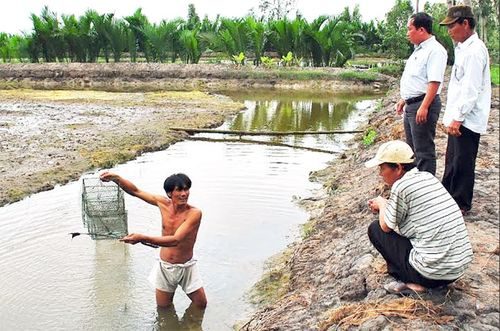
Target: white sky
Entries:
(15, 14)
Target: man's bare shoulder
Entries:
(194, 212)
(163, 200)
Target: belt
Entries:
(415, 99)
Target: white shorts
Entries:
(167, 276)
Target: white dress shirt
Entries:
(469, 92)
(426, 64)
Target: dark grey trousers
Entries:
(395, 250)
(420, 137)
(460, 166)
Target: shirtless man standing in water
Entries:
(180, 224)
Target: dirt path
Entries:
(333, 279)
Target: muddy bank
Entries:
(333, 278)
(156, 76)
(52, 137)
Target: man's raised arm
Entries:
(130, 188)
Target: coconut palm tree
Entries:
(75, 34)
(190, 44)
(257, 36)
(47, 36)
(116, 34)
(137, 39)
(231, 37)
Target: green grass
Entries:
(364, 76)
(495, 74)
(394, 70)
(369, 137)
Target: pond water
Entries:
(246, 191)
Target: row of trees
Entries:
(325, 41)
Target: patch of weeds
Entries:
(369, 137)
(364, 76)
(307, 229)
(274, 283)
(15, 194)
(106, 158)
(495, 74)
(394, 70)
(74, 126)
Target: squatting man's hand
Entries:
(376, 203)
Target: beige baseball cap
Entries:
(394, 151)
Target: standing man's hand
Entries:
(421, 116)
(454, 128)
(399, 107)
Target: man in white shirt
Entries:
(468, 105)
(420, 87)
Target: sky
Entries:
(15, 14)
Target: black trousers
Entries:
(420, 137)
(395, 249)
(460, 165)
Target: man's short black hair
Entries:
(406, 166)
(471, 20)
(422, 20)
(176, 181)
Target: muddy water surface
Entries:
(246, 193)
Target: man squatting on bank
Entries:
(420, 232)
(180, 224)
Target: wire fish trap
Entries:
(103, 209)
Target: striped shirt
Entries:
(425, 213)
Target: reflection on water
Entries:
(49, 281)
(276, 115)
(167, 319)
(271, 111)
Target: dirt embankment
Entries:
(157, 76)
(52, 137)
(333, 279)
